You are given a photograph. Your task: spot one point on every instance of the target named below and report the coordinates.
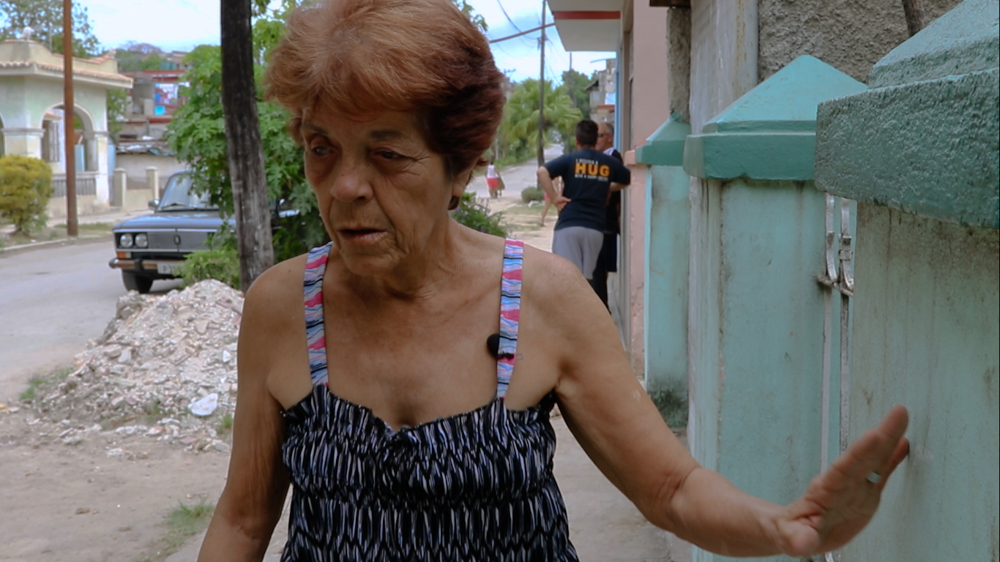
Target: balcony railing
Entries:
(86, 184)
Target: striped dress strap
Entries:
(510, 312)
(312, 293)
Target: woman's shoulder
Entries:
(278, 288)
(553, 280)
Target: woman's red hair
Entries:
(363, 56)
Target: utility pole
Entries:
(541, 96)
(69, 122)
(243, 145)
(914, 16)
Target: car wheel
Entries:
(135, 282)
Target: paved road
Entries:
(52, 300)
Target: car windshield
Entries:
(178, 196)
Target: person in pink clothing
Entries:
(493, 180)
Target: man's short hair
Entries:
(609, 128)
(586, 133)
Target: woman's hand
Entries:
(839, 503)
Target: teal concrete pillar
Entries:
(920, 153)
(668, 243)
(756, 330)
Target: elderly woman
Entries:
(401, 377)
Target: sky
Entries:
(184, 24)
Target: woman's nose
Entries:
(352, 183)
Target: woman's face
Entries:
(382, 193)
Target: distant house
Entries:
(155, 96)
(31, 117)
(602, 94)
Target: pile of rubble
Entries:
(165, 368)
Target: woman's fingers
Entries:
(875, 451)
(902, 450)
(892, 446)
(839, 503)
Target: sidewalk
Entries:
(112, 217)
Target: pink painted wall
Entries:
(649, 110)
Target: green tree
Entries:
(45, 18)
(25, 188)
(518, 135)
(118, 101)
(574, 85)
(137, 62)
(477, 19)
(198, 137)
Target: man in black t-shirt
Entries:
(588, 177)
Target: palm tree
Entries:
(519, 129)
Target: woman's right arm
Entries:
(257, 484)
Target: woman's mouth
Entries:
(360, 235)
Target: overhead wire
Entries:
(521, 33)
(506, 16)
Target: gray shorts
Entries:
(579, 245)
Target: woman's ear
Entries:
(461, 182)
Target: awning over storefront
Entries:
(588, 25)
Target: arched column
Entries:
(24, 141)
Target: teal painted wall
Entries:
(772, 312)
(706, 375)
(668, 220)
(757, 393)
(930, 137)
(926, 335)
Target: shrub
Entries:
(25, 188)
(475, 215)
(530, 194)
(221, 264)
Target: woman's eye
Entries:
(388, 155)
(320, 150)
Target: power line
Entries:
(506, 16)
(522, 33)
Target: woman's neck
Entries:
(422, 275)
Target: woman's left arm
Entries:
(621, 430)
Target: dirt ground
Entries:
(76, 503)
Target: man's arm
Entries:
(545, 181)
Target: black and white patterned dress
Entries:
(474, 486)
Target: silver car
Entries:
(153, 246)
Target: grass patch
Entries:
(672, 404)
(88, 227)
(225, 424)
(184, 522)
(57, 232)
(39, 384)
